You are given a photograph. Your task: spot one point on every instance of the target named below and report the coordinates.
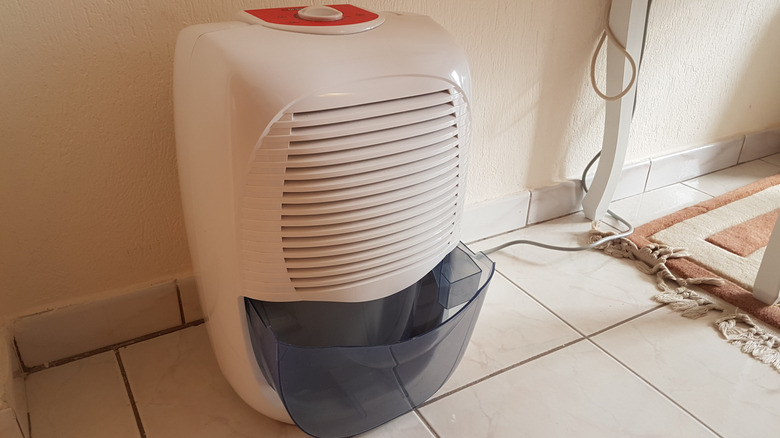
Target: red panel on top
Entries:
(289, 16)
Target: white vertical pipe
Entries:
(767, 285)
(627, 20)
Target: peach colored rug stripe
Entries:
(746, 238)
(657, 225)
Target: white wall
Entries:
(89, 200)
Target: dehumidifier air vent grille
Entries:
(367, 189)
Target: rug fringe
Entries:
(651, 259)
(752, 340)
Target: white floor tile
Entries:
(85, 398)
(772, 159)
(652, 205)
(726, 180)
(575, 392)
(405, 426)
(511, 328)
(587, 289)
(687, 360)
(180, 392)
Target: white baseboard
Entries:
(14, 421)
(73, 330)
(492, 218)
(506, 214)
(682, 166)
(9, 424)
(555, 201)
(760, 144)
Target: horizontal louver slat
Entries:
(369, 110)
(360, 203)
(438, 141)
(409, 214)
(300, 146)
(314, 194)
(367, 190)
(398, 230)
(341, 129)
(311, 252)
(367, 212)
(317, 282)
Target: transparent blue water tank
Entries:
(344, 368)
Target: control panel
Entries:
(330, 19)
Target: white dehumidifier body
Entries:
(322, 154)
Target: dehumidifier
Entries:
(322, 155)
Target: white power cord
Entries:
(595, 244)
(607, 32)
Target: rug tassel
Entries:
(752, 340)
(651, 259)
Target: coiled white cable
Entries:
(595, 244)
(607, 32)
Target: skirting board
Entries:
(760, 144)
(500, 216)
(9, 424)
(66, 332)
(14, 422)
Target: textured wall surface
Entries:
(89, 199)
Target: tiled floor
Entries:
(568, 344)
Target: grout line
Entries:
(528, 209)
(426, 423)
(25, 368)
(647, 177)
(130, 394)
(629, 319)
(695, 188)
(523, 362)
(658, 390)
(764, 160)
(181, 305)
(580, 332)
(537, 301)
(588, 339)
(63, 361)
(18, 424)
(502, 371)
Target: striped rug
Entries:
(725, 237)
(715, 246)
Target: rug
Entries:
(716, 246)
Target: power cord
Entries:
(607, 32)
(595, 244)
